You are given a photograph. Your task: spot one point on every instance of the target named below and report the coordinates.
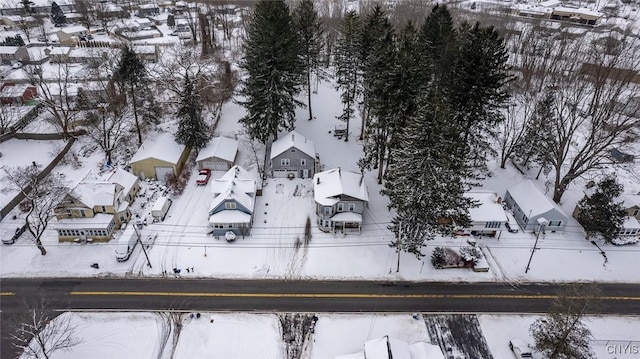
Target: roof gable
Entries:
(162, 146)
(329, 185)
(295, 140)
(235, 185)
(531, 200)
(219, 147)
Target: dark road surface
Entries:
(299, 296)
(291, 296)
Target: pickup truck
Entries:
(203, 176)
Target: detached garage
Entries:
(159, 156)
(218, 155)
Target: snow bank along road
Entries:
(299, 296)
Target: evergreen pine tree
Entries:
(310, 32)
(57, 15)
(274, 71)
(425, 182)
(602, 214)
(192, 129)
(378, 67)
(131, 72)
(438, 39)
(477, 90)
(346, 66)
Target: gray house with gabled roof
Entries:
(293, 156)
(531, 208)
(233, 203)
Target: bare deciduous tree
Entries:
(42, 196)
(40, 334)
(55, 93)
(561, 333)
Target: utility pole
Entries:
(541, 224)
(144, 250)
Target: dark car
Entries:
(16, 235)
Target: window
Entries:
(293, 150)
(635, 212)
(525, 219)
(340, 207)
(229, 205)
(352, 207)
(303, 162)
(555, 223)
(104, 209)
(83, 214)
(327, 210)
(492, 224)
(285, 162)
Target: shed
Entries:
(218, 155)
(529, 205)
(159, 156)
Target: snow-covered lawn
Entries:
(226, 335)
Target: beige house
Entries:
(71, 34)
(96, 207)
(158, 157)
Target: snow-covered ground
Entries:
(270, 251)
(226, 335)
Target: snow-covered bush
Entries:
(471, 254)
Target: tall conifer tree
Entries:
(310, 32)
(274, 70)
(192, 129)
(347, 66)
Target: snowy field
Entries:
(238, 336)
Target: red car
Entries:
(203, 176)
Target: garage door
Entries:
(215, 165)
(284, 173)
(162, 172)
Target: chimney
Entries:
(499, 200)
(292, 137)
(317, 180)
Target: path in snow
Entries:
(458, 335)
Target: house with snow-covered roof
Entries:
(158, 157)
(531, 208)
(71, 34)
(218, 155)
(96, 207)
(233, 203)
(488, 218)
(340, 197)
(631, 204)
(293, 156)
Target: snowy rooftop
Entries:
(36, 53)
(580, 11)
(15, 90)
(219, 147)
(293, 139)
(99, 221)
(388, 347)
(230, 216)
(121, 177)
(631, 223)
(95, 193)
(235, 185)
(530, 199)
(144, 49)
(74, 29)
(489, 210)
(60, 50)
(328, 185)
(162, 146)
(8, 50)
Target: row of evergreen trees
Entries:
(429, 99)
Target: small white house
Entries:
(489, 217)
(531, 208)
(218, 155)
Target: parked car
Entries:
(520, 349)
(16, 235)
(203, 176)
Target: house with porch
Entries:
(488, 218)
(96, 207)
(341, 197)
(233, 203)
(293, 156)
(532, 209)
